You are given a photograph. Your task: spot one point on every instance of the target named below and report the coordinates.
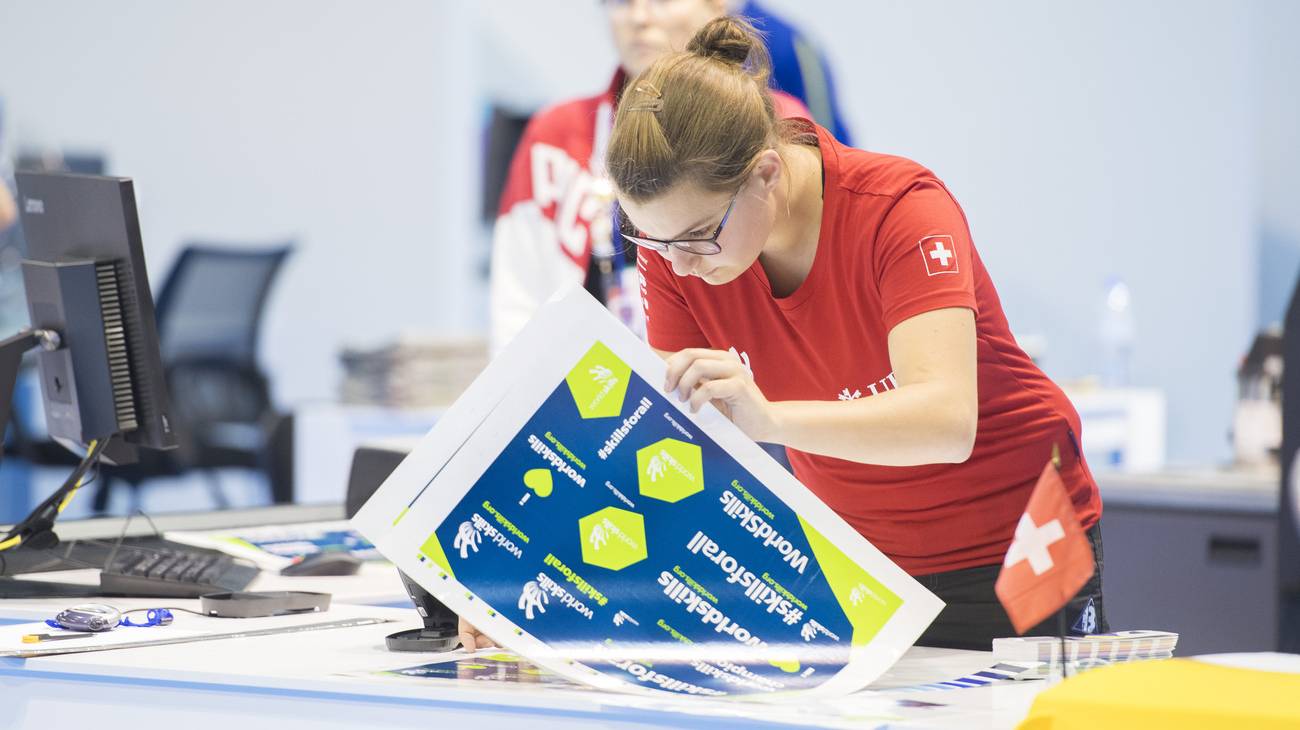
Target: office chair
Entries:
(209, 315)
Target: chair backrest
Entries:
(211, 304)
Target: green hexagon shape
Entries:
(612, 538)
(598, 383)
(669, 470)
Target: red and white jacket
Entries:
(555, 203)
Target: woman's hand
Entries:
(719, 377)
(471, 638)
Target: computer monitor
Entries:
(86, 280)
(92, 322)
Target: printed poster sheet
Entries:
(587, 521)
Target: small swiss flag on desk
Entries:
(1049, 559)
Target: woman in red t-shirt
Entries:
(831, 300)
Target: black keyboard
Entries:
(171, 573)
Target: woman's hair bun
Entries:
(727, 39)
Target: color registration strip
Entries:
(1000, 672)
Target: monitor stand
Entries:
(12, 350)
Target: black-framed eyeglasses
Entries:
(702, 246)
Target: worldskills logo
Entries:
(860, 593)
(609, 528)
(660, 463)
(811, 629)
(613, 538)
(467, 539)
(598, 383)
(606, 379)
(670, 470)
(656, 467)
(532, 600)
(598, 536)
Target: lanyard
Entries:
(618, 283)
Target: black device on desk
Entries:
(92, 320)
(370, 467)
(326, 562)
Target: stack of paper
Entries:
(416, 371)
(1084, 651)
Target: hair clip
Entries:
(654, 102)
(645, 87)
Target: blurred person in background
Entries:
(13, 307)
(553, 227)
(8, 211)
(798, 67)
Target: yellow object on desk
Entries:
(1172, 693)
(38, 638)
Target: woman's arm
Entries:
(8, 210)
(930, 418)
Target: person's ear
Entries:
(768, 170)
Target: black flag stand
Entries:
(1060, 630)
(1060, 615)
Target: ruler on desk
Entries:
(38, 651)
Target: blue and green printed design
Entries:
(866, 602)
(598, 383)
(610, 519)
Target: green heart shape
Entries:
(789, 666)
(539, 480)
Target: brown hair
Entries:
(703, 115)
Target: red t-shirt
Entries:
(893, 244)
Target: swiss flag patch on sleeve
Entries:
(939, 255)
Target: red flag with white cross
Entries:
(1049, 560)
(939, 254)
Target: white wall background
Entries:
(1277, 107)
(349, 126)
(1084, 140)
(1149, 140)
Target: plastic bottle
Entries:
(1117, 331)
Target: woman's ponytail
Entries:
(703, 115)
(733, 41)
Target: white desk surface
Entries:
(296, 680)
